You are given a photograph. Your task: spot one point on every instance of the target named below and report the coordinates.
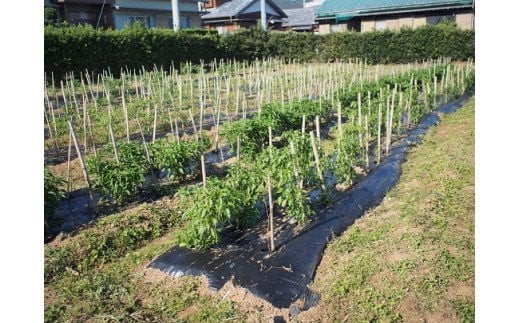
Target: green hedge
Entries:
(82, 47)
(407, 45)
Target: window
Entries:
(185, 22)
(434, 20)
(145, 20)
(380, 24)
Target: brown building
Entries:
(368, 15)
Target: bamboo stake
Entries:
(399, 113)
(317, 160)
(154, 122)
(409, 108)
(379, 133)
(91, 135)
(64, 98)
(271, 212)
(53, 118)
(238, 149)
(125, 110)
(81, 162)
(390, 126)
(387, 124)
(434, 91)
(366, 143)
(85, 113)
(318, 131)
(194, 126)
(69, 155)
(369, 104)
(303, 126)
(217, 125)
(360, 135)
(340, 130)
(203, 167)
(295, 165)
(269, 188)
(144, 140)
(113, 140)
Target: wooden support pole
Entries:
(154, 123)
(359, 123)
(379, 133)
(81, 162)
(69, 156)
(203, 168)
(340, 129)
(295, 165)
(85, 116)
(271, 213)
(303, 125)
(318, 131)
(113, 140)
(317, 161)
(125, 111)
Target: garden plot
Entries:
(281, 277)
(284, 162)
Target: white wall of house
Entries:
(161, 20)
(313, 3)
(155, 13)
(157, 5)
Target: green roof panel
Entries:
(355, 7)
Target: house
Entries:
(283, 4)
(301, 19)
(236, 14)
(92, 12)
(368, 15)
(119, 13)
(156, 13)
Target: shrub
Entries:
(76, 48)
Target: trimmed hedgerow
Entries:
(78, 48)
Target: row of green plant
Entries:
(77, 48)
(291, 168)
(253, 134)
(122, 177)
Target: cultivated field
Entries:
(166, 158)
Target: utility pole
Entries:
(101, 13)
(263, 15)
(176, 15)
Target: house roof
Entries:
(362, 7)
(289, 4)
(235, 8)
(299, 17)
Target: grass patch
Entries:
(98, 275)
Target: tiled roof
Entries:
(299, 17)
(289, 4)
(235, 7)
(228, 9)
(332, 7)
